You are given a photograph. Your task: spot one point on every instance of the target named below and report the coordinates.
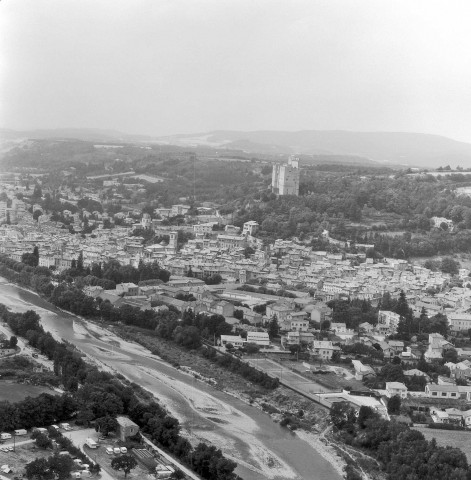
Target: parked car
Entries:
(109, 450)
(124, 450)
(117, 450)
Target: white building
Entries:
(388, 321)
(459, 321)
(396, 388)
(235, 340)
(250, 228)
(323, 348)
(260, 338)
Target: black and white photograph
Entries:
(235, 239)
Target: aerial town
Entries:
(235, 240)
(323, 315)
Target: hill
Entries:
(411, 149)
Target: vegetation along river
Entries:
(261, 447)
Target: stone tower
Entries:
(285, 177)
(172, 242)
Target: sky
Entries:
(161, 67)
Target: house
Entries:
(338, 327)
(323, 348)
(297, 338)
(437, 344)
(281, 310)
(396, 346)
(388, 321)
(128, 289)
(92, 291)
(459, 321)
(295, 322)
(396, 388)
(250, 228)
(127, 428)
(260, 338)
(319, 312)
(362, 370)
(439, 416)
(460, 370)
(414, 372)
(442, 391)
(235, 340)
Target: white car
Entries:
(109, 450)
(117, 450)
(11, 449)
(124, 450)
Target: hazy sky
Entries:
(183, 66)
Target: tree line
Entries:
(401, 452)
(95, 394)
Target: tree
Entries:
(39, 469)
(61, 465)
(394, 405)
(450, 355)
(106, 424)
(402, 307)
(29, 259)
(343, 416)
(252, 348)
(273, 327)
(125, 463)
(364, 414)
(42, 441)
(13, 341)
(80, 262)
(37, 192)
(450, 266)
(37, 214)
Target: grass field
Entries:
(14, 392)
(21, 456)
(454, 438)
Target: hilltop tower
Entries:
(285, 177)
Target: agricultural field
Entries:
(15, 392)
(454, 438)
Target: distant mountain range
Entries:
(412, 149)
(387, 148)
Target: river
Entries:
(261, 448)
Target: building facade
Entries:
(285, 177)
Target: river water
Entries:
(261, 448)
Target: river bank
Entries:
(261, 448)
